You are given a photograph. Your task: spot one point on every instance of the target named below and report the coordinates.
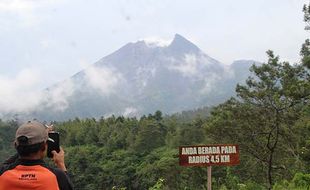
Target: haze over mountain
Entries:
(141, 78)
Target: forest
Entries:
(269, 118)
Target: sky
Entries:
(43, 42)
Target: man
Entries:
(28, 170)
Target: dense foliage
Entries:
(131, 153)
(7, 134)
(269, 119)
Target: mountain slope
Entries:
(140, 78)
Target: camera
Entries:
(53, 145)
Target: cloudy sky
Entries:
(46, 41)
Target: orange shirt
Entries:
(28, 177)
(33, 175)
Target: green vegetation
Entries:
(263, 118)
(7, 134)
(269, 119)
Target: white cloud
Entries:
(17, 6)
(84, 64)
(46, 43)
(22, 6)
(25, 9)
(156, 42)
(58, 96)
(19, 94)
(130, 112)
(192, 65)
(189, 66)
(104, 79)
(143, 75)
(209, 83)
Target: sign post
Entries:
(209, 155)
(209, 177)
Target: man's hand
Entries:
(59, 159)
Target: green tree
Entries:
(261, 119)
(305, 49)
(192, 133)
(280, 91)
(151, 135)
(306, 10)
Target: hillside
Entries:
(141, 78)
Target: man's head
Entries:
(30, 139)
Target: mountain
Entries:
(141, 78)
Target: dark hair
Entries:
(23, 149)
